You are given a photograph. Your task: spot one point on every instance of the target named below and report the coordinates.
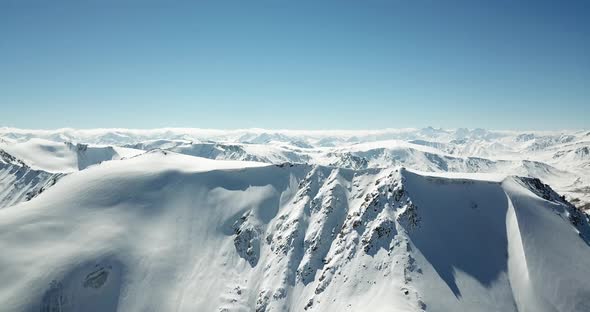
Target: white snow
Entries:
(256, 220)
(63, 157)
(169, 232)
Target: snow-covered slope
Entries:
(63, 157)
(274, 154)
(18, 182)
(169, 232)
(381, 154)
(559, 158)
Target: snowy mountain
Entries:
(559, 158)
(63, 157)
(169, 232)
(18, 182)
(257, 220)
(227, 151)
(30, 167)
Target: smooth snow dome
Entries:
(256, 220)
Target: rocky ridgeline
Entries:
(23, 183)
(336, 215)
(575, 215)
(11, 160)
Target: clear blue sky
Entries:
(295, 64)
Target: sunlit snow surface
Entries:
(254, 220)
(559, 158)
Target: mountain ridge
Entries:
(149, 230)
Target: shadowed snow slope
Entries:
(169, 232)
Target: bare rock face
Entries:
(247, 244)
(54, 299)
(97, 278)
(380, 237)
(90, 287)
(9, 159)
(247, 239)
(539, 188)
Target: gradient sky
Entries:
(295, 64)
